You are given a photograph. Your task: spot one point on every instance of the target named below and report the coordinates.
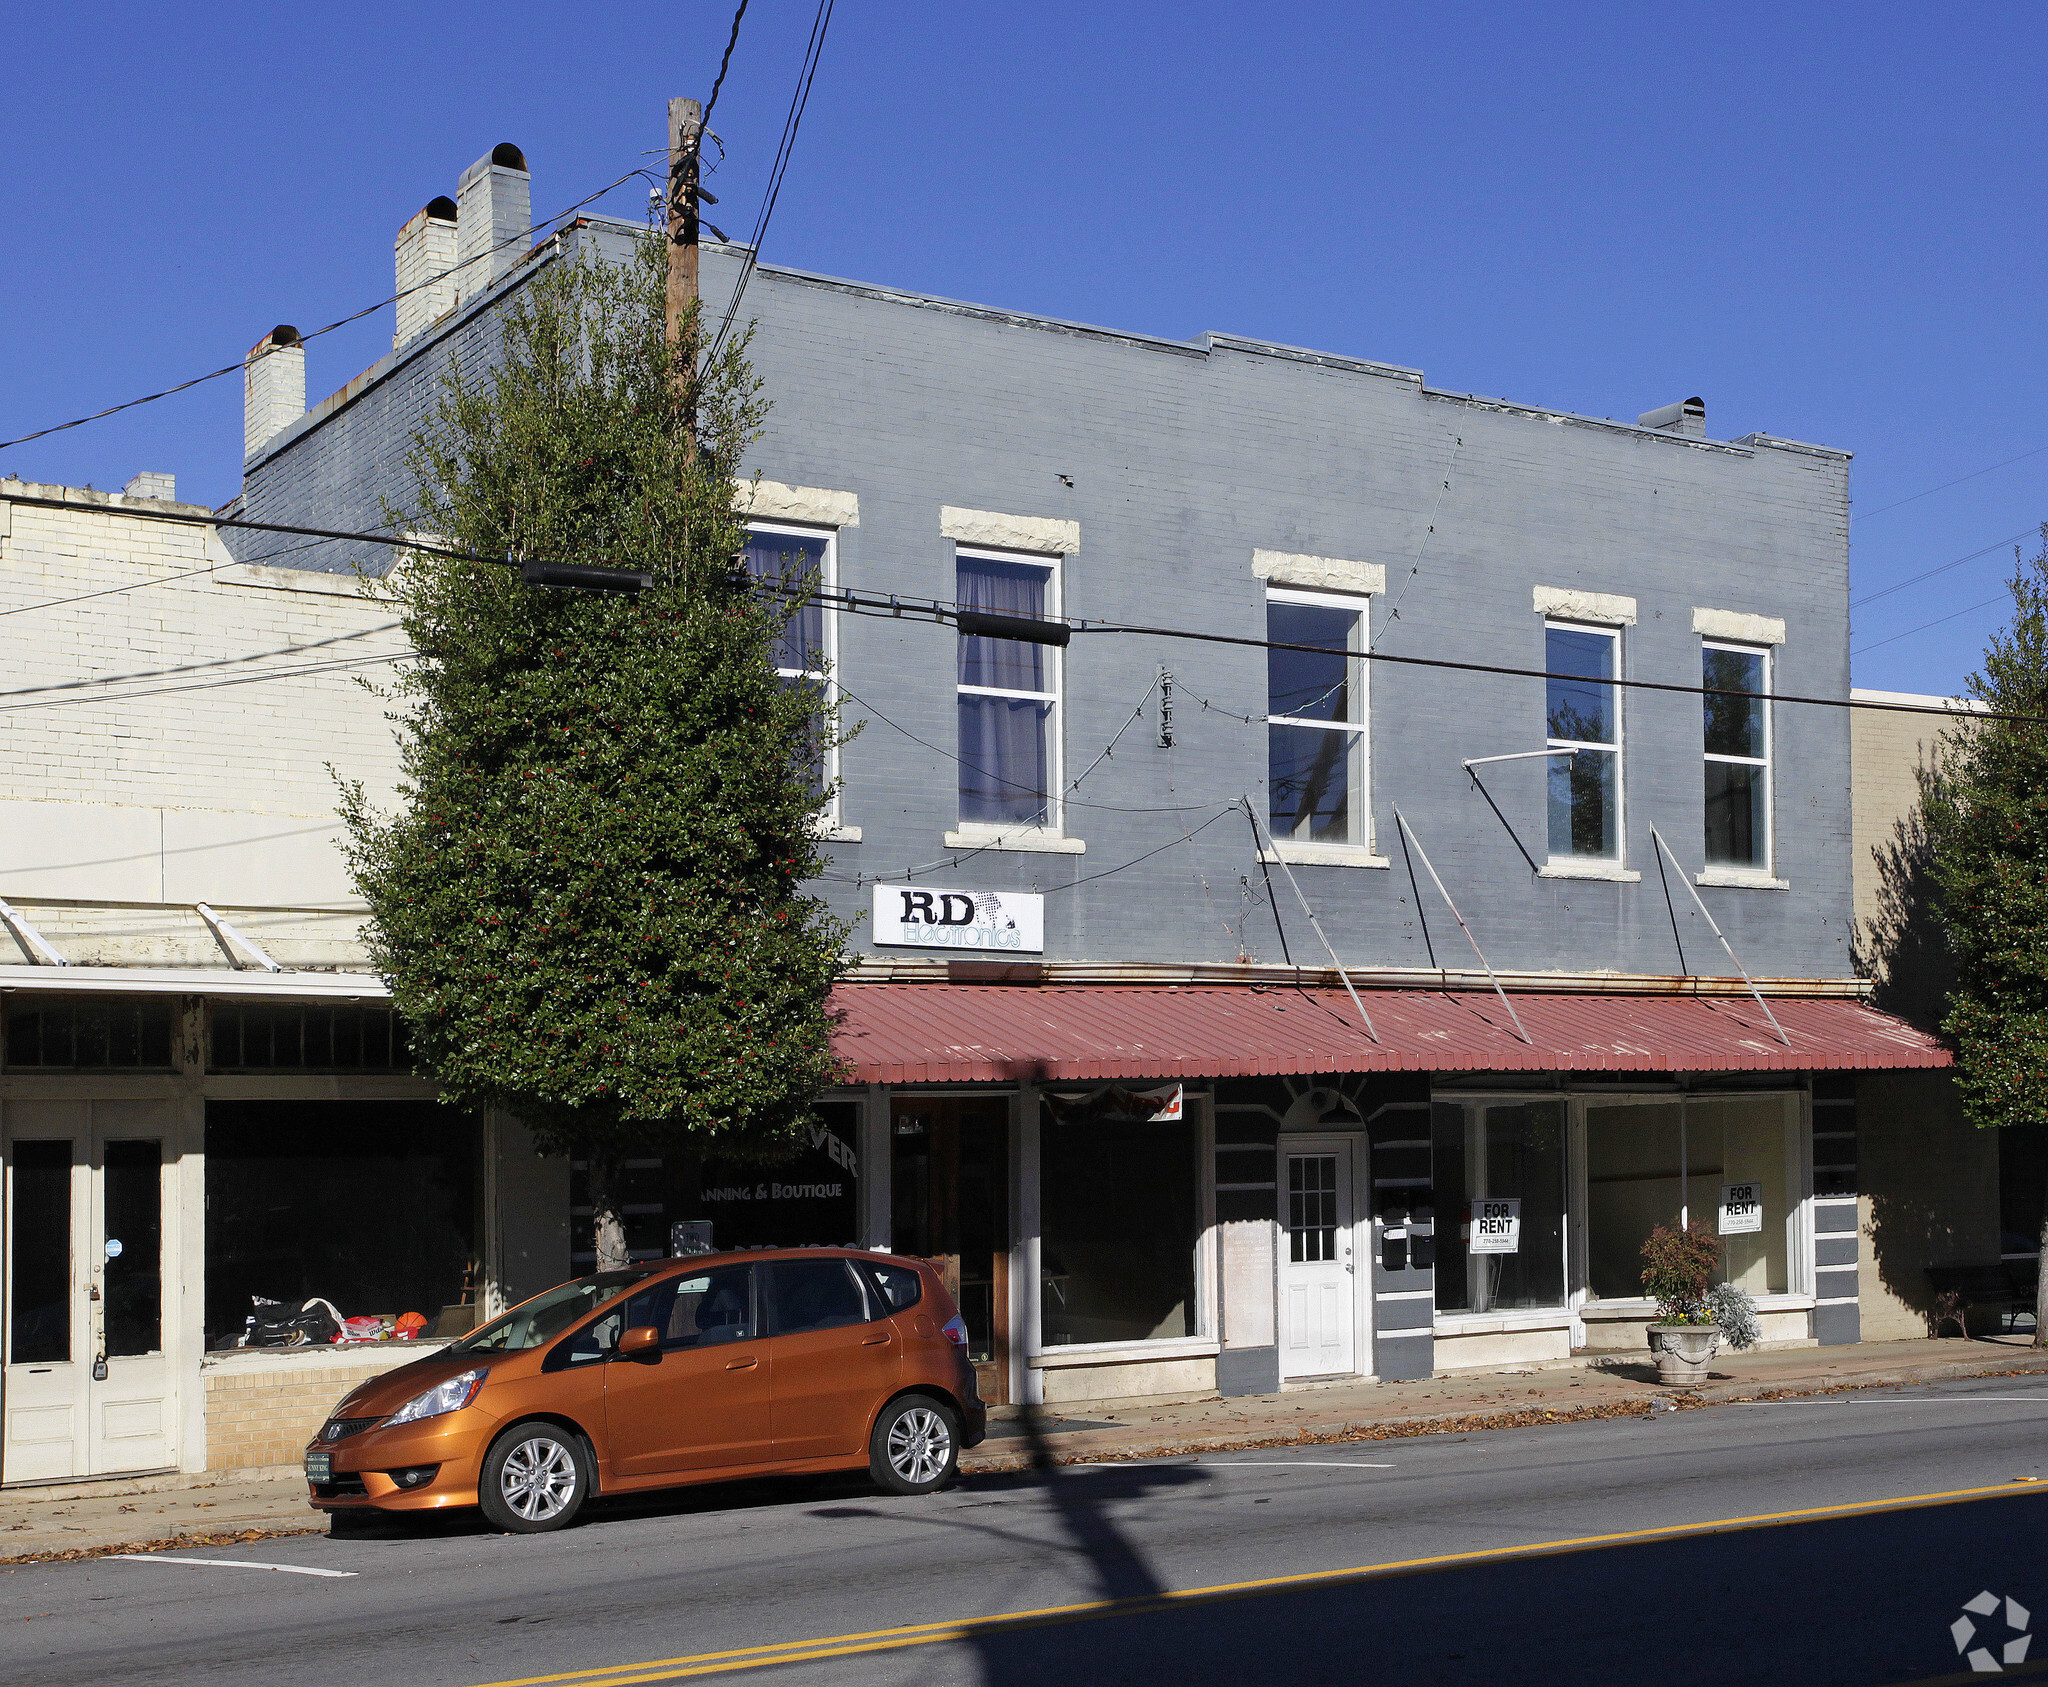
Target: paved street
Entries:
(814, 1569)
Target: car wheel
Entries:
(535, 1478)
(915, 1447)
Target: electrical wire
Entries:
(1186, 837)
(526, 235)
(1872, 597)
(303, 671)
(1875, 644)
(732, 41)
(1114, 736)
(790, 125)
(1946, 484)
(849, 601)
(199, 667)
(1393, 613)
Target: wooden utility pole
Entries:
(685, 135)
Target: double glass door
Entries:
(88, 1391)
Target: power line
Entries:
(1959, 479)
(526, 235)
(790, 124)
(731, 42)
(1956, 616)
(895, 606)
(303, 671)
(1872, 597)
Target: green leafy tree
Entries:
(1986, 811)
(588, 901)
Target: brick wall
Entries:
(178, 741)
(262, 1409)
(1178, 460)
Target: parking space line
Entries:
(227, 1564)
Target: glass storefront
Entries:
(1513, 1150)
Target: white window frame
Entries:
(1593, 864)
(829, 819)
(1054, 668)
(1359, 851)
(1765, 868)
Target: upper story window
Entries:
(1008, 698)
(1316, 719)
(1583, 715)
(800, 559)
(1738, 756)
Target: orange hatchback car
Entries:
(684, 1370)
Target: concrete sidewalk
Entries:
(90, 1518)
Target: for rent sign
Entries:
(1742, 1208)
(921, 917)
(1496, 1225)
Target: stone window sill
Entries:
(836, 834)
(1035, 843)
(1323, 855)
(1608, 870)
(1726, 878)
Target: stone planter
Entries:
(1682, 1352)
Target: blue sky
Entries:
(1824, 219)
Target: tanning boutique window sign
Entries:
(922, 917)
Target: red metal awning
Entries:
(963, 1033)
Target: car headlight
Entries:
(449, 1396)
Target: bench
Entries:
(1957, 1288)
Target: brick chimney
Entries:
(1688, 416)
(273, 387)
(494, 211)
(150, 484)
(425, 251)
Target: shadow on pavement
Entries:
(1855, 1602)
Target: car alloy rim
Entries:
(538, 1479)
(919, 1444)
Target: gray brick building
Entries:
(1111, 1071)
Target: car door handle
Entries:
(875, 1341)
(746, 1364)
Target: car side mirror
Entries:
(643, 1343)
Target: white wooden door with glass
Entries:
(89, 1391)
(1318, 1270)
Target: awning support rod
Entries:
(1401, 820)
(1252, 815)
(1686, 879)
(230, 939)
(38, 951)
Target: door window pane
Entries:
(1120, 1218)
(1514, 1150)
(39, 1262)
(815, 1294)
(1311, 1208)
(134, 1218)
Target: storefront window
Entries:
(1669, 1162)
(89, 1033)
(1500, 1151)
(367, 1204)
(1120, 1218)
(949, 1192)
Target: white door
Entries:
(1318, 1277)
(89, 1391)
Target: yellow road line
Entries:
(964, 1628)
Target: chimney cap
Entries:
(441, 208)
(1687, 415)
(284, 334)
(506, 156)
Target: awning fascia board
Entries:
(195, 981)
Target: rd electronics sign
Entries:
(919, 917)
(1496, 1225)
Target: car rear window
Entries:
(899, 1285)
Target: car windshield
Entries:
(546, 1315)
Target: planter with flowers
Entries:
(1694, 1313)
